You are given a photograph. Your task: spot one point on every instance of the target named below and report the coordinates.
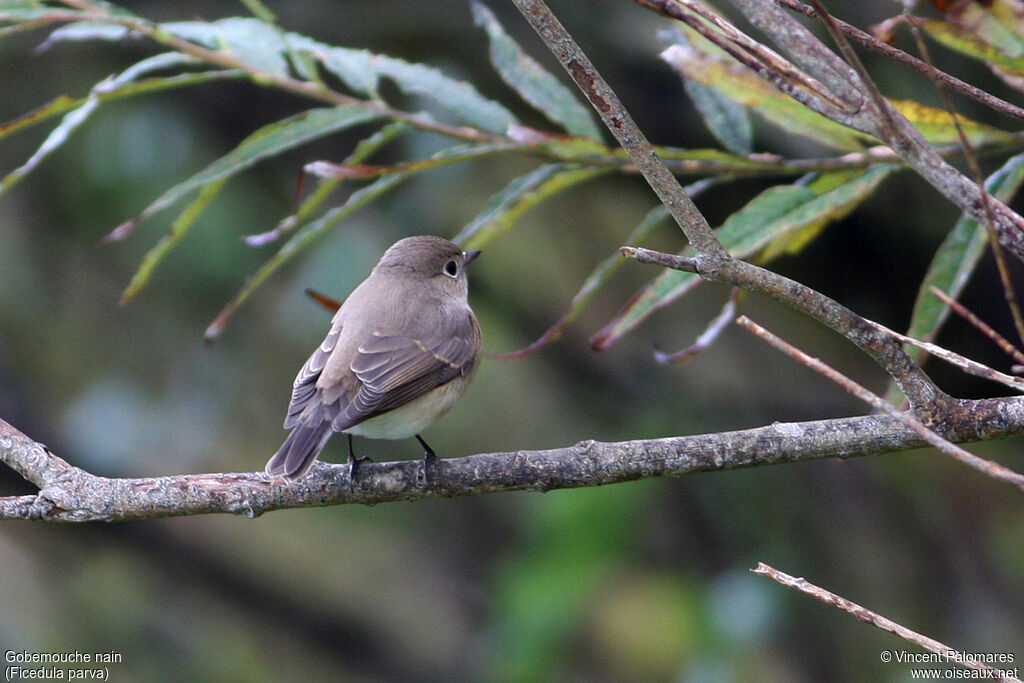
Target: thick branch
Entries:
(70, 494)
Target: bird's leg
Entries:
(354, 462)
(429, 457)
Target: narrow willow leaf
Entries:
(534, 83)
(268, 141)
(57, 137)
(165, 60)
(445, 157)
(252, 41)
(728, 121)
(299, 241)
(353, 67)
(776, 212)
(363, 150)
(837, 194)
(504, 209)
(740, 85)
(458, 97)
(23, 12)
(85, 30)
(181, 225)
(938, 127)
(957, 257)
(255, 42)
(994, 35)
(706, 338)
(597, 277)
(361, 71)
(56, 107)
(64, 104)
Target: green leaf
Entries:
(737, 83)
(86, 30)
(300, 240)
(444, 157)
(364, 149)
(504, 209)
(775, 214)
(178, 229)
(268, 141)
(57, 137)
(655, 217)
(362, 70)
(165, 60)
(56, 107)
(938, 127)
(252, 41)
(994, 35)
(728, 121)
(836, 195)
(534, 83)
(23, 12)
(957, 257)
(110, 91)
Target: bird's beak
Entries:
(470, 255)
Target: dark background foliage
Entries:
(640, 581)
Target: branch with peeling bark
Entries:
(70, 494)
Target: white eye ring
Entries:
(451, 269)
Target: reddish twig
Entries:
(944, 652)
(987, 467)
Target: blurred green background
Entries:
(646, 581)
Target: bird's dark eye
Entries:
(451, 268)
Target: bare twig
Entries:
(987, 467)
(712, 261)
(966, 364)
(926, 399)
(1009, 292)
(944, 652)
(1002, 342)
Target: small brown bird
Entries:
(399, 354)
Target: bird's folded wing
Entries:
(397, 369)
(305, 383)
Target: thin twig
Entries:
(945, 653)
(999, 340)
(966, 364)
(925, 398)
(992, 469)
(1009, 291)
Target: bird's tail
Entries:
(298, 452)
